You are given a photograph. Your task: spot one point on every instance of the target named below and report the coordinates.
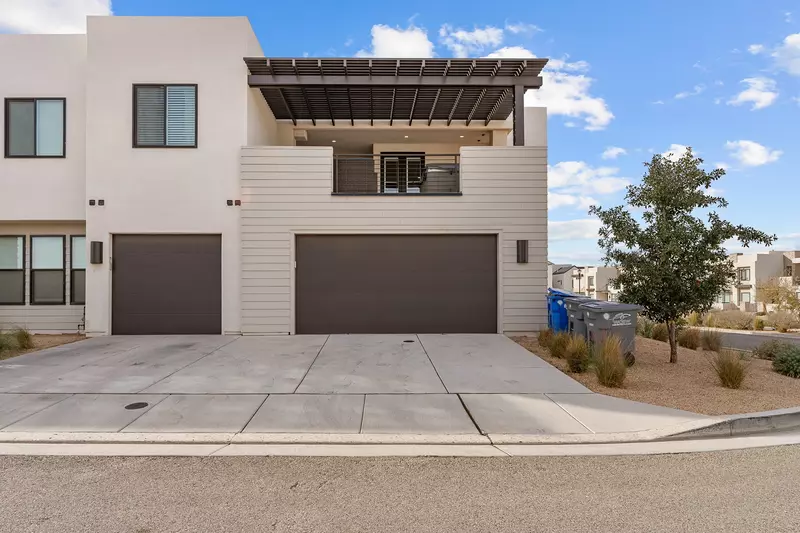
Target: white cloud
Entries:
(696, 90)
(391, 42)
(717, 101)
(570, 230)
(521, 27)
(564, 92)
(613, 152)
(787, 54)
(463, 42)
(752, 154)
(579, 177)
(756, 49)
(348, 42)
(658, 102)
(788, 17)
(49, 16)
(675, 152)
(760, 91)
(723, 166)
(556, 200)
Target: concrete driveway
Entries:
(439, 384)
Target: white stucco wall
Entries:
(45, 189)
(161, 190)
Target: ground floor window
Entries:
(47, 270)
(77, 273)
(744, 297)
(725, 297)
(12, 270)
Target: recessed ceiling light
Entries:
(461, 136)
(406, 136)
(333, 141)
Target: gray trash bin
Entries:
(611, 318)
(576, 324)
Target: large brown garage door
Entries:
(164, 284)
(396, 284)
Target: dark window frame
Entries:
(63, 271)
(24, 273)
(135, 121)
(742, 272)
(72, 270)
(7, 126)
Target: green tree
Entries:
(672, 262)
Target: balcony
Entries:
(400, 174)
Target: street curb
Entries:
(745, 424)
(721, 426)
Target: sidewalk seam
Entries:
(547, 395)
(312, 364)
(432, 365)
(68, 396)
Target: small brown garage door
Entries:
(396, 284)
(163, 284)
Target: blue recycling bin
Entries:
(557, 317)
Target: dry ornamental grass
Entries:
(691, 384)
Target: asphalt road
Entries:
(742, 491)
(745, 341)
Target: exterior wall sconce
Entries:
(522, 251)
(96, 253)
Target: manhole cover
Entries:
(136, 405)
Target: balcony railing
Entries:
(396, 174)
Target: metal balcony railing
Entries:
(396, 173)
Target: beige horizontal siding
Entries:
(286, 190)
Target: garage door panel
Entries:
(166, 284)
(396, 284)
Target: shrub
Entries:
(782, 321)
(577, 355)
(558, 345)
(734, 319)
(689, 338)
(730, 368)
(7, 342)
(694, 319)
(711, 340)
(644, 327)
(770, 349)
(545, 337)
(758, 324)
(660, 332)
(23, 337)
(609, 365)
(787, 362)
(710, 321)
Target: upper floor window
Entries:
(590, 281)
(12, 270)
(35, 127)
(165, 116)
(744, 274)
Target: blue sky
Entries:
(722, 76)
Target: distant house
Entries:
(755, 269)
(561, 277)
(593, 281)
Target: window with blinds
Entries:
(165, 116)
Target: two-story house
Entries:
(161, 175)
(594, 282)
(756, 269)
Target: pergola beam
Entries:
(287, 81)
(475, 106)
(288, 107)
(495, 107)
(433, 107)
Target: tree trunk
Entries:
(673, 341)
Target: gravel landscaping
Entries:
(691, 384)
(40, 342)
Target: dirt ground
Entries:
(41, 342)
(691, 384)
